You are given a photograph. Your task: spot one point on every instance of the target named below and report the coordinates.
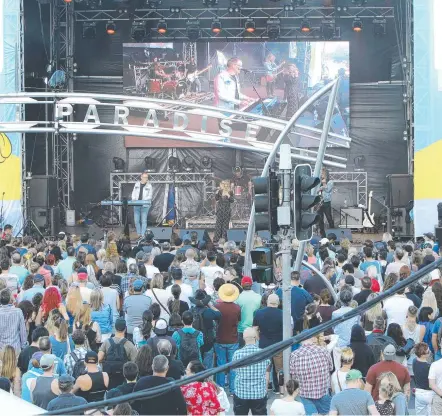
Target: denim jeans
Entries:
(224, 354)
(314, 406)
(140, 218)
(208, 358)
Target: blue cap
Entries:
(138, 284)
(38, 277)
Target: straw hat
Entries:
(228, 292)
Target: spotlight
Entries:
(149, 163)
(216, 26)
(153, 4)
(111, 27)
(288, 8)
(138, 31)
(206, 164)
(250, 26)
(193, 30)
(328, 29)
(234, 9)
(188, 164)
(173, 164)
(118, 164)
(380, 27)
(305, 26)
(273, 28)
(210, 3)
(89, 30)
(67, 1)
(175, 9)
(342, 9)
(357, 25)
(162, 27)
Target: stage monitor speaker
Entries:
(96, 232)
(54, 220)
(438, 235)
(40, 217)
(161, 234)
(340, 233)
(186, 234)
(43, 191)
(400, 190)
(237, 235)
(352, 217)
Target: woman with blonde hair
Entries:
(62, 344)
(90, 328)
(9, 368)
(102, 314)
(101, 258)
(74, 301)
(389, 381)
(429, 300)
(159, 295)
(92, 269)
(369, 316)
(338, 378)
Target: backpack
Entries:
(189, 349)
(198, 323)
(116, 357)
(79, 366)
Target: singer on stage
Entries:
(142, 192)
(291, 89)
(325, 191)
(224, 198)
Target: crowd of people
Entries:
(84, 320)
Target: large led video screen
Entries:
(268, 78)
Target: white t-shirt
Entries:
(186, 292)
(334, 381)
(435, 373)
(208, 272)
(85, 294)
(151, 270)
(163, 297)
(396, 309)
(283, 408)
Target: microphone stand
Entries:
(265, 111)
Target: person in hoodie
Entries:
(363, 354)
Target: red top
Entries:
(227, 332)
(201, 398)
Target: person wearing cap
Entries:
(133, 307)
(129, 348)
(66, 399)
(208, 272)
(268, 321)
(353, 400)
(38, 287)
(389, 363)
(226, 342)
(44, 388)
(82, 278)
(160, 331)
(92, 385)
(186, 290)
(64, 267)
(12, 324)
(165, 259)
(249, 302)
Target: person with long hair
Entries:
(144, 361)
(102, 314)
(389, 381)
(159, 295)
(91, 329)
(51, 300)
(325, 309)
(61, 342)
(143, 333)
(370, 315)
(412, 330)
(9, 368)
(27, 308)
(200, 396)
(288, 405)
(291, 89)
(92, 269)
(363, 354)
(224, 198)
(429, 300)
(310, 319)
(175, 305)
(74, 302)
(424, 319)
(394, 331)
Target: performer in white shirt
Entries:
(142, 192)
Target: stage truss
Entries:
(359, 178)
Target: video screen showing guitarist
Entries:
(325, 191)
(195, 83)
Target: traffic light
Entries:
(304, 201)
(262, 270)
(266, 198)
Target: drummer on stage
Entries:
(241, 185)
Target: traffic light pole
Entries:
(320, 159)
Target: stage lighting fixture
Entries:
(193, 30)
(273, 28)
(162, 27)
(206, 164)
(305, 26)
(175, 9)
(210, 3)
(138, 31)
(153, 4)
(357, 25)
(328, 29)
(118, 164)
(149, 163)
(216, 26)
(250, 26)
(67, 1)
(89, 30)
(359, 3)
(188, 164)
(111, 27)
(173, 164)
(380, 27)
(288, 8)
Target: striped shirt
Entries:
(12, 327)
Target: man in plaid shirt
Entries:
(80, 351)
(311, 365)
(250, 382)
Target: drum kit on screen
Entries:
(167, 80)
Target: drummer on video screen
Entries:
(241, 184)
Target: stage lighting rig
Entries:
(359, 3)
(193, 30)
(173, 164)
(111, 27)
(175, 9)
(250, 26)
(153, 4)
(118, 164)
(289, 7)
(149, 163)
(273, 28)
(206, 164)
(379, 27)
(138, 31)
(357, 25)
(89, 30)
(162, 27)
(306, 26)
(210, 3)
(188, 164)
(216, 26)
(328, 29)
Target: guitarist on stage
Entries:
(195, 84)
(272, 71)
(325, 191)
